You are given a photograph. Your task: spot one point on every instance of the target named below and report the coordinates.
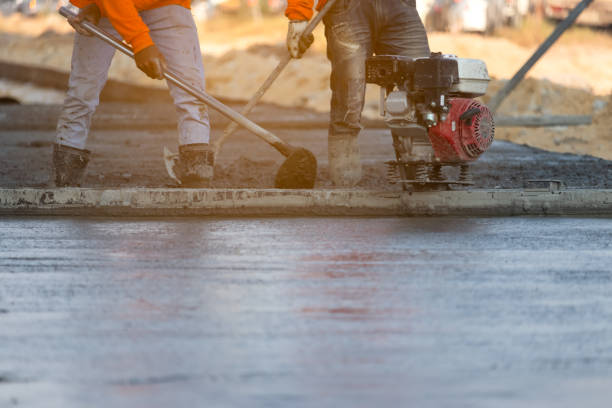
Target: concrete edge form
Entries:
(268, 202)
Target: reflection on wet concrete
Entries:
(306, 312)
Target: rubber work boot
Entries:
(69, 164)
(196, 163)
(344, 160)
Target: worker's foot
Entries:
(69, 164)
(344, 160)
(196, 163)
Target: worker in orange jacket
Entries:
(163, 36)
(355, 30)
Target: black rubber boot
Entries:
(69, 164)
(196, 165)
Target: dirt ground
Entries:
(134, 159)
(575, 76)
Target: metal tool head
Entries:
(299, 171)
(171, 161)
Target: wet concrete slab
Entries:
(452, 312)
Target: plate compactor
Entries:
(435, 122)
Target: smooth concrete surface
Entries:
(298, 312)
(245, 202)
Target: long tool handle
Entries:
(499, 97)
(231, 128)
(174, 79)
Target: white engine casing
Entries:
(473, 77)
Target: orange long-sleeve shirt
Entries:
(302, 9)
(123, 14)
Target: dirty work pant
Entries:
(355, 30)
(173, 30)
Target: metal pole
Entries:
(499, 97)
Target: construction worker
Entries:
(355, 30)
(163, 36)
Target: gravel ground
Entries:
(134, 158)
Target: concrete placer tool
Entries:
(299, 170)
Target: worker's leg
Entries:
(91, 59)
(174, 33)
(348, 45)
(173, 30)
(399, 30)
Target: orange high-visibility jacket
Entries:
(302, 9)
(123, 14)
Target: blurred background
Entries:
(241, 41)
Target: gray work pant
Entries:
(355, 30)
(173, 30)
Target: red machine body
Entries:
(466, 133)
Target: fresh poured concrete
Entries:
(299, 312)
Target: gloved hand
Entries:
(90, 13)
(150, 61)
(296, 43)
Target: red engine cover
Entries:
(465, 134)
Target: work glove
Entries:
(90, 13)
(150, 61)
(296, 43)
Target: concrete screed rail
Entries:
(267, 202)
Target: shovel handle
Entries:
(231, 128)
(175, 79)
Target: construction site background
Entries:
(573, 78)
